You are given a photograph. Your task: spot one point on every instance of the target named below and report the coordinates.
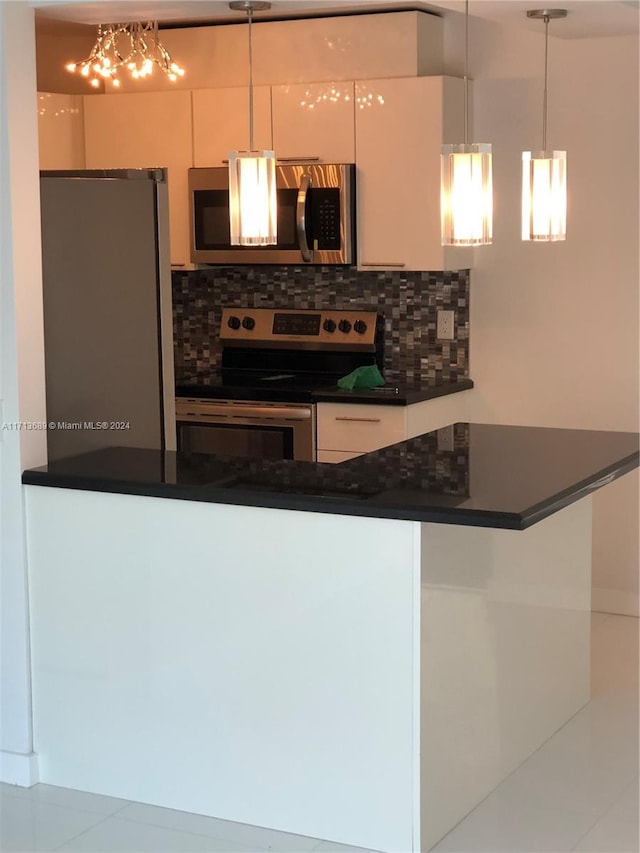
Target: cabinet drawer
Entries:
(357, 427)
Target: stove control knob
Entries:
(344, 326)
(234, 322)
(360, 327)
(248, 323)
(329, 326)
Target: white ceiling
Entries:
(586, 18)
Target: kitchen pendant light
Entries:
(466, 182)
(544, 173)
(252, 174)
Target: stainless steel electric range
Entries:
(261, 401)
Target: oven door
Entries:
(239, 428)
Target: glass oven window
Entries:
(262, 442)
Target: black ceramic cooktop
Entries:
(278, 386)
(471, 474)
(285, 387)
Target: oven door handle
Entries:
(205, 411)
(301, 218)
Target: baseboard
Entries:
(618, 601)
(19, 769)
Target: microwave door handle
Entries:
(301, 223)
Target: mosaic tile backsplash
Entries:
(408, 301)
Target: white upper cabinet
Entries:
(314, 121)
(309, 121)
(401, 124)
(392, 128)
(146, 130)
(221, 123)
(341, 47)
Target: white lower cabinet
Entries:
(358, 428)
(346, 430)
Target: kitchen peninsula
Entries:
(358, 652)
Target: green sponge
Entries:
(361, 378)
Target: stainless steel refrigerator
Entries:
(107, 310)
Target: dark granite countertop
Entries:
(470, 474)
(395, 392)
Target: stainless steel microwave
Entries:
(316, 216)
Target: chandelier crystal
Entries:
(132, 46)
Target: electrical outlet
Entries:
(445, 438)
(445, 325)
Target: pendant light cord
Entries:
(466, 72)
(546, 87)
(250, 15)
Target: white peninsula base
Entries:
(361, 680)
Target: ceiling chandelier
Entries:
(134, 46)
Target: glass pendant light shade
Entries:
(544, 195)
(466, 180)
(253, 202)
(466, 195)
(252, 198)
(544, 172)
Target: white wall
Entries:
(555, 326)
(21, 373)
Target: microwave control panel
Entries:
(325, 218)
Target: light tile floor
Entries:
(579, 791)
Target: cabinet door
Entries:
(133, 131)
(221, 122)
(401, 125)
(60, 131)
(314, 121)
